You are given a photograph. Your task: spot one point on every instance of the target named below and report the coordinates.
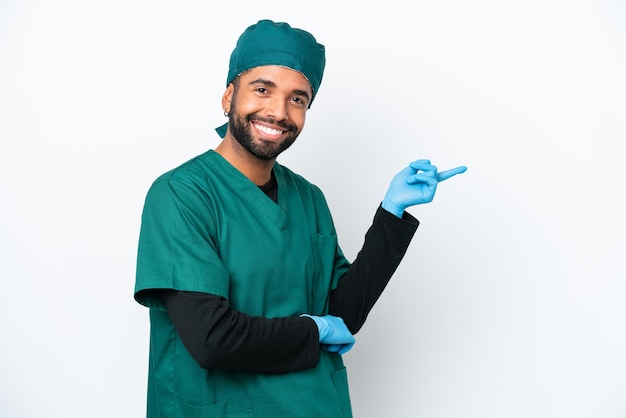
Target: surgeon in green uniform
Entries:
(252, 303)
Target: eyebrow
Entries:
(269, 83)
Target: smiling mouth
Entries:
(268, 130)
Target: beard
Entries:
(240, 128)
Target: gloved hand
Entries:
(415, 185)
(334, 334)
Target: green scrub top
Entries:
(207, 228)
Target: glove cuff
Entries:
(391, 208)
(323, 328)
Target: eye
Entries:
(262, 90)
(298, 100)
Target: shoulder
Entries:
(189, 170)
(195, 172)
(185, 185)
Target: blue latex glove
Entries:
(334, 334)
(415, 185)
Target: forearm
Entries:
(219, 337)
(384, 246)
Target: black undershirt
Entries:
(219, 337)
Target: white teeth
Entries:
(267, 130)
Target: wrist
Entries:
(388, 205)
(322, 325)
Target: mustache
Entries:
(284, 125)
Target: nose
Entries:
(276, 108)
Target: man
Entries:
(252, 303)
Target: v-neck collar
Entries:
(250, 191)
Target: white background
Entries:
(511, 299)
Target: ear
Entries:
(227, 98)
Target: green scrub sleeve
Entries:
(175, 247)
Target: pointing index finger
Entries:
(445, 175)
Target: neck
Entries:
(257, 170)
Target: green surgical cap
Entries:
(272, 43)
